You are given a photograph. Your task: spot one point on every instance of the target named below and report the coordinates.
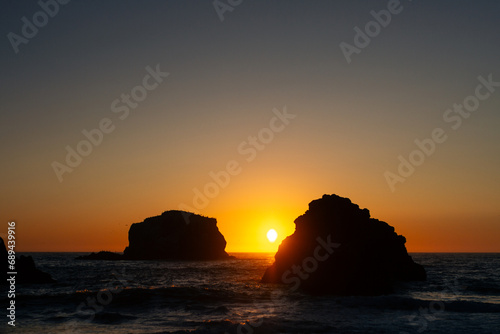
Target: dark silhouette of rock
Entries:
(25, 268)
(176, 235)
(102, 255)
(338, 249)
(4, 254)
(27, 272)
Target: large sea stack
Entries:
(338, 249)
(176, 235)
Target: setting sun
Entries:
(272, 235)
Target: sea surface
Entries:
(461, 295)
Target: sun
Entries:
(272, 235)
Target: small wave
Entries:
(206, 299)
(408, 303)
(264, 325)
(59, 318)
(112, 318)
(484, 289)
(219, 310)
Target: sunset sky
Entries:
(222, 105)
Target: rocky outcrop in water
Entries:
(25, 267)
(102, 255)
(338, 249)
(174, 235)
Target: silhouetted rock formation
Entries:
(25, 268)
(337, 248)
(3, 250)
(27, 272)
(4, 257)
(102, 255)
(176, 235)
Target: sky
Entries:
(245, 111)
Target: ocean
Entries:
(461, 295)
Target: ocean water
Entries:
(461, 295)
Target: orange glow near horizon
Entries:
(245, 229)
(245, 211)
